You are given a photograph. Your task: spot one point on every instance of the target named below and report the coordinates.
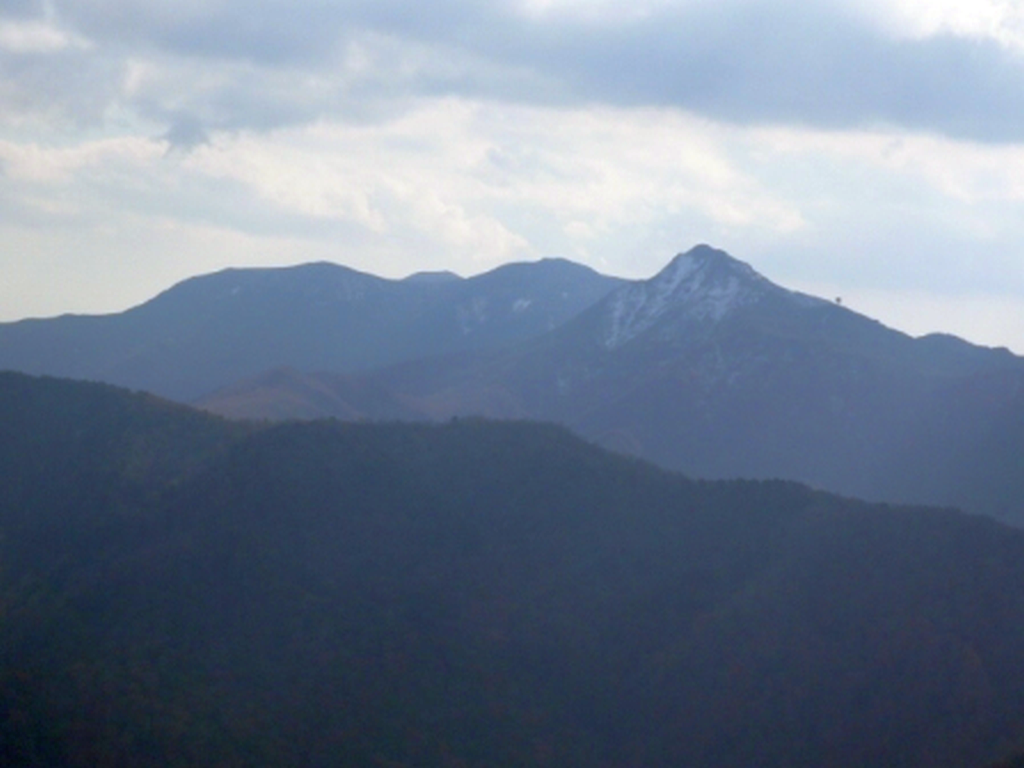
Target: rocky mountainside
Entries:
(211, 331)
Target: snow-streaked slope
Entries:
(701, 286)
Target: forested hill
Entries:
(179, 591)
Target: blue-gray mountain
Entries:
(710, 368)
(707, 367)
(210, 331)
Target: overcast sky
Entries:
(868, 149)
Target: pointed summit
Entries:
(701, 286)
(704, 257)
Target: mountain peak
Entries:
(432, 277)
(709, 260)
(703, 285)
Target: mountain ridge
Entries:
(210, 331)
(180, 590)
(779, 385)
(706, 367)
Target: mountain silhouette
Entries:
(211, 331)
(710, 368)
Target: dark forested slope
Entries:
(176, 591)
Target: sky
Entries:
(871, 150)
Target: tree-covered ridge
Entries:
(473, 594)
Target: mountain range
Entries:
(711, 369)
(707, 367)
(210, 331)
(178, 590)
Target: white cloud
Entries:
(56, 166)
(1001, 20)
(966, 172)
(27, 37)
(464, 184)
(229, 65)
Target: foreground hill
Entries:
(177, 590)
(210, 331)
(711, 369)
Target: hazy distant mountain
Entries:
(179, 590)
(210, 331)
(707, 367)
(710, 368)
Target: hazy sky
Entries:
(869, 149)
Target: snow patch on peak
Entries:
(704, 284)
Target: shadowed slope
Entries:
(477, 594)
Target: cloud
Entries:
(52, 92)
(833, 142)
(783, 63)
(186, 133)
(34, 37)
(236, 66)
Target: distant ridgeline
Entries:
(707, 367)
(180, 590)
